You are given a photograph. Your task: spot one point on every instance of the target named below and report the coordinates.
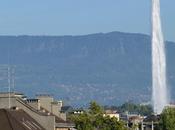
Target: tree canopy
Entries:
(93, 119)
(167, 121)
(136, 108)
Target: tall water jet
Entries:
(159, 83)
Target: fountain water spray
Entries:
(159, 84)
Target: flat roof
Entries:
(44, 95)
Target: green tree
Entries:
(167, 119)
(136, 108)
(82, 121)
(95, 108)
(93, 119)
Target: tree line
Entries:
(93, 118)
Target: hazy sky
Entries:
(77, 17)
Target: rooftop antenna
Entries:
(13, 80)
(9, 86)
(9, 77)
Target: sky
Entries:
(79, 17)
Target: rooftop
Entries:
(44, 95)
(17, 120)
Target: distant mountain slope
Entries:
(111, 68)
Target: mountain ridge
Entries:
(110, 67)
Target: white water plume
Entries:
(159, 82)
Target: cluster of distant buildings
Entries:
(130, 119)
(136, 121)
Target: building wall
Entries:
(63, 116)
(116, 115)
(4, 102)
(55, 109)
(60, 104)
(45, 102)
(35, 105)
(62, 129)
(47, 122)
